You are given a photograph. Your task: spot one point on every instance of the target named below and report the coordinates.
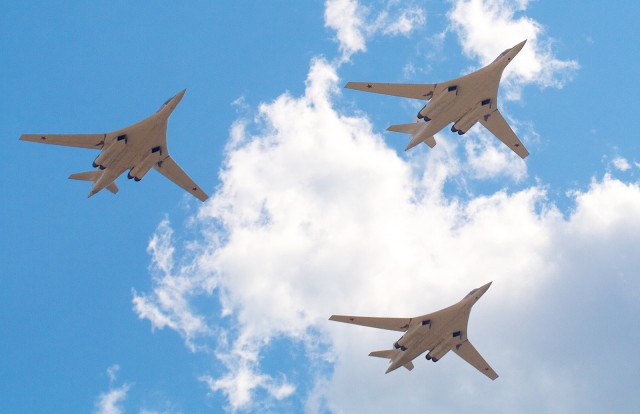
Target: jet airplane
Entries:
(438, 333)
(136, 148)
(464, 101)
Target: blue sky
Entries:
(151, 302)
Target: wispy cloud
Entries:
(354, 23)
(111, 401)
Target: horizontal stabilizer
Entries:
(413, 129)
(93, 176)
(388, 353)
(406, 128)
(87, 175)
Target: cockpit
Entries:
(164, 104)
(471, 293)
(502, 54)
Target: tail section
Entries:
(391, 354)
(93, 176)
(414, 130)
(406, 128)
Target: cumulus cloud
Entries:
(353, 24)
(316, 215)
(486, 27)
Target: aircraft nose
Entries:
(179, 96)
(517, 48)
(486, 287)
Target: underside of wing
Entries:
(423, 91)
(392, 324)
(469, 353)
(172, 171)
(499, 127)
(94, 141)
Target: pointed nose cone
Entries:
(170, 105)
(517, 48)
(176, 99)
(484, 288)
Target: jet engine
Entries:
(443, 347)
(438, 104)
(110, 153)
(142, 168)
(471, 117)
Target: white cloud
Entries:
(112, 372)
(486, 27)
(111, 402)
(398, 22)
(315, 215)
(168, 305)
(621, 164)
(346, 17)
(352, 25)
(319, 216)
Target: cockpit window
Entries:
(502, 54)
(164, 104)
(471, 293)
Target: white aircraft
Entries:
(463, 101)
(136, 148)
(438, 332)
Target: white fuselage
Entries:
(136, 148)
(463, 101)
(437, 333)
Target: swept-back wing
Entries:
(496, 123)
(172, 171)
(467, 352)
(94, 141)
(392, 324)
(423, 91)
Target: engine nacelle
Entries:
(142, 168)
(438, 104)
(471, 117)
(445, 346)
(110, 153)
(139, 171)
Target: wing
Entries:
(423, 91)
(392, 324)
(467, 352)
(496, 123)
(95, 141)
(172, 171)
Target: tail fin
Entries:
(391, 354)
(413, 129)
(93, 176)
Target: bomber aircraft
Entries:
(438, 333)
(136, 148)
(463, 101)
